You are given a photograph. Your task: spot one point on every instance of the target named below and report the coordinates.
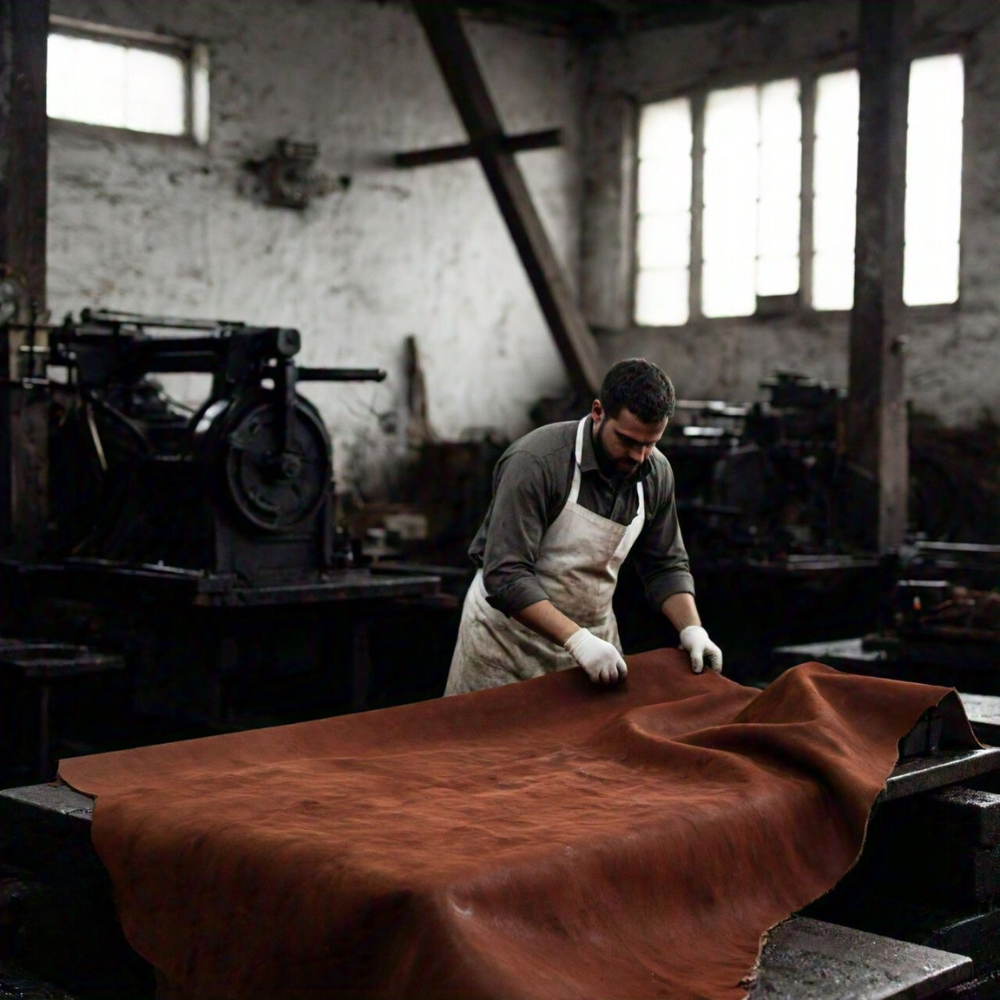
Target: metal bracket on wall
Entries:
(285, 178)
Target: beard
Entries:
(616, 469)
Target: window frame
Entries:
(193, 54)
(799, 305)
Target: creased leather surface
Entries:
(538, 841)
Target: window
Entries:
(750, 214)
(127, 80)
(664, 224)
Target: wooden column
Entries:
(464, 79)
(877, 427)
(23, 201)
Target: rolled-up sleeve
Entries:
(517, 522)
(660, 556)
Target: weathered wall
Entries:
(142, 224)
(953, 354)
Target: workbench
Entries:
(210, 648)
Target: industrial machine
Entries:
(200, 543)
(773, 478)
(242, 485)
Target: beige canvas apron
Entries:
(577, 567)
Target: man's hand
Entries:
(603, 663)
(701, 649)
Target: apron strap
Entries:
(574, 490)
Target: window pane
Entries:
(835, 168)
(837, 104)
(663, 245)
(116, 84)
(730, 177)
(937, 92)
(154, 92)
(778, 228)
(778, 275)
(731, 120)
(835, 184)
(833, 280)
(86, 81)
(780, 113)
(930, 274)
(780, 170)
(933, 181)
(664, 241)
(665, 184)
(661, 297)
(729, 287)
(730, 233)
(833, 223)
(729, 221)
(665, 129)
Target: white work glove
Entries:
(603, 663)
(701, 649)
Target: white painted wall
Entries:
(142, 224)
(953, 359)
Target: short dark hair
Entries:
(640, 386)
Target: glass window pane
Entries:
(661, 297)
(780, 170)
(780, 113)
(729, 287)
(154, 92)
(729, 233)
(833, 223)
(930, 274)
(937, 91)
(833, 280)
(86, 81)
(778, 275)
(664, 241)
(837, 104)
(665, 184)
(665, 129)
(116, 84)
(835, 181)
(778, 228)
(835, 166)
(933, 181)
(730, 176)
(731, 119)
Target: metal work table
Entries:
(217, 590)
(198, 635)
(810, 958)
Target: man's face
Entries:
(623, 442)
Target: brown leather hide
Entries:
(538, 841)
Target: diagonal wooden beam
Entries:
(461, 72)
(876, 407)
(23, 205)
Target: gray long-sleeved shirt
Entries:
(531, 484)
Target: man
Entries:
(570, 501)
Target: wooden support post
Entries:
(23, 200)
(464, 79)
(876, 425)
